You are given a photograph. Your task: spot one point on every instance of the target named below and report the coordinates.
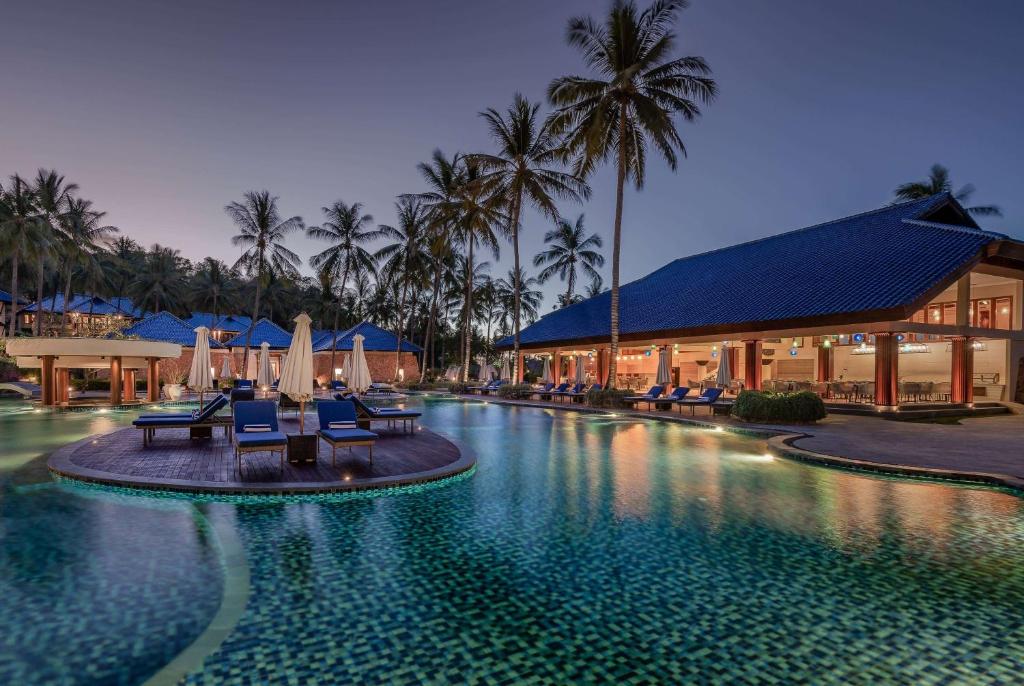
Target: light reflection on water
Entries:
(583, 542)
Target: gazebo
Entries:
(56, 357)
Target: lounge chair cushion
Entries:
(341, 425)
(260, 438)
(256, 428)
(347, 435)
(169, 421)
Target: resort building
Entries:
(379, 346)
(164, 327)
(84, 315)
(907, 303)
(5, 308)
(223, 326)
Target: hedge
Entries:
(516, 391)
(779, 408)
(608, 397)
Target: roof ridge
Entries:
(954, 227)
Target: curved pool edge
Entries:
(235, 597)
(59, 464)
(781, 443)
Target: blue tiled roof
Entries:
(882, 260)
(5, 297)
(375, 337)
(232, 323)
(264, 330)
(81, 304)
(165, 327)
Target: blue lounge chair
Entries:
(200, 423)
(243, 383)
(578, 396)
(338, 386)
(367, 415)
(576, 390)
(649, 398)
(545, 390)
(677, 394)
(256, 430)
(709, 397)
(549, 395)
(338, 427)
(486, 388)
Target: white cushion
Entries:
(341, 425)
(256, 428)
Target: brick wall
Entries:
(381, 364)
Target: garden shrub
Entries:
(516, 391)
(608, 397)
(778, 408)
(458, 388)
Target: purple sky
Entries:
(165, 111)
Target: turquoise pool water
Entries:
(582, 549)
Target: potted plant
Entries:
(175, 372)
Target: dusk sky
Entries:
(163, 112)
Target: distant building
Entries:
(86, 315)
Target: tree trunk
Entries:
(516, 286)
(39, 295)
(468, 334)
(13, 317)
(67, 297)
(255, 316)
(401, 325)
(428, 339)
(616, 249)
(337, 313)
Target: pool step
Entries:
(920, 411)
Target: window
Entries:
(1003, 315)
(983, 313)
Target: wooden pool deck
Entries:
(175, 462)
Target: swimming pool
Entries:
(582, 548)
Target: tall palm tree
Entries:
(261, 233)
(596, 286)
(628, 106)
(83, 232)
(529, 298)
(938, 181)
(160, 284)
(347, 229)
(212, 285)
(523, 172)
(405, 259)
(20, 229)
(570, 251)
(123, 261)
(442, 180)
(53, 195)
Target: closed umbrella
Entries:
(346, 367)
(546, 376)
(664, 367)
(200, 378)
(264, 375)
(580, 369)
(280, 364)
(505, 373)
(297, 371)
(360, 378)
(250, 366)
(225, 369)
(724, 375)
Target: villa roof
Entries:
(5, 297)
(263, 330)
(165, 327)
(83, 304)
(376, 339)
(881, 265)
(232, 323)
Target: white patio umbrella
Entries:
(505, 373)
(546, 375)
(250, 366)
(580, 369)
(200, 378)
(280, 365)
(452, 373)
(264, 375)
(724, 375)
(359, 379)
(664, 367)
(225, 369)
(346, 367)
(297, 370)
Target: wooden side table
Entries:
(302, 448)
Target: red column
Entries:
(46, 380)
(556, 368)
(115, 380)
(129, 385)
(824, 363)
(752, 365)
(734, 361)
(153, 380)
(887, 355)
(962, 374)
(519, 369)
(63, 380)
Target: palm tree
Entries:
(522, 172)
(596, 286)
(347, 229)
(19, 231)
(123, 261)
(629, 106)
(160, 284)
(53, 196)
(83, 233)
(261, 235)
(570, 251)
(938, 181)
(212, 284)
(405, 259)
(529, 298)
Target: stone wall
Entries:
(381, 364)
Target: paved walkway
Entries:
(984, 445)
